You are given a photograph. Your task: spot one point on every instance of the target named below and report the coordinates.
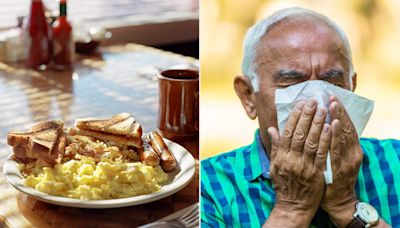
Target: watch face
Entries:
(367, 213)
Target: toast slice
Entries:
(118, 139)
(40, 138)
(56, 154)
(44, 142)
(121, 124)
(122, 129)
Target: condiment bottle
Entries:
(37, 39)
(63, 44)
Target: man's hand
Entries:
(297, 165)
(340, 197)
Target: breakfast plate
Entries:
(178, 179)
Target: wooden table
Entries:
(120, 79)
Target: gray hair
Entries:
(254, 35)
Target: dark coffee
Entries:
(181, 74)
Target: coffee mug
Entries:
(178, 112)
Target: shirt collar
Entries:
(259, 162)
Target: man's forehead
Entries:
(295, 32)
(293, 38)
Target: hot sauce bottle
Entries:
(63, 45)
(37, 37)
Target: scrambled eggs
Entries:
(86, 179)
(94, 170)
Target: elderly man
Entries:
(278, 181)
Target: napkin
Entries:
(358, 108)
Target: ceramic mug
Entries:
(178, 112)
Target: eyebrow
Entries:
(290, 74)
(334, 73)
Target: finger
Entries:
(303, 127)
(323, 146)
(274, 136)
(347, 130)
(332, 98)
(335, 145)
(335, 112)
(287, 135)
(311, 144)
(339, 112)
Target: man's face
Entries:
(292, 53)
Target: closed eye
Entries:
(334, 73)
(291, 74)
(285, 78)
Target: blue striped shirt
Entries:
(236, 188)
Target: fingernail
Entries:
(320, 112)
(300, 105)
(334, 105)
(326, 128)
(311, 103)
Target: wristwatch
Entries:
(365, 216)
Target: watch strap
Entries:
(356, 223)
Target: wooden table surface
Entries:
(120, 79)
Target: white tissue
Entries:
(358, 108)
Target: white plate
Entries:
(178, 179)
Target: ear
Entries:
(244, 90)
(354, 81)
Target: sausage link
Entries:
(148, 157)
(167, 159)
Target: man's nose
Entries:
(313, 76)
